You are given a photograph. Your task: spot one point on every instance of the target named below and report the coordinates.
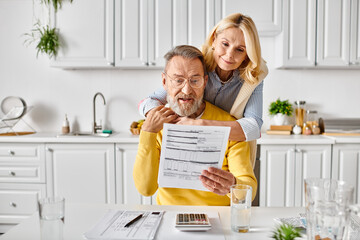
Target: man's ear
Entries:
(206, 77)
(163, 80)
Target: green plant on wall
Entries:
(46, 37)
(57, 4)
(279, 106)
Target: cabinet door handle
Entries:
(354, 63)
(145, 63)
(11, 173)
(12, 204)
(152, 63)
(49, 149)
(111, 64)
(11, 152)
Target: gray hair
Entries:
(185, 51)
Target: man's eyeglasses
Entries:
(179, 82)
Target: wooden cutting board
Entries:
(16, 134)
(341, 134)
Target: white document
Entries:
(112, 225)
(187, 150)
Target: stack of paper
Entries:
(115, 225)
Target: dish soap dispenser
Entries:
(65, 127)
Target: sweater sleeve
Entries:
(156, 99)
(252, 121)
(146, 167)
(238, 157)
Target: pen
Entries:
(134, 220)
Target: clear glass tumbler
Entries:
(328, 204)
(241, 196)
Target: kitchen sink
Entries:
(84, 134)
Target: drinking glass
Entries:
(52, 213)
(327, 208)
(52, 208)
(241, 196)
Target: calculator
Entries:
(192, 222)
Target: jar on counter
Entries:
(312, 121)
(300, 112)
(312, 118)
(315, 130)
(306, 130)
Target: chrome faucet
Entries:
(95, 126)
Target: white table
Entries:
(80, 218)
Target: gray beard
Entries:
(184, 110)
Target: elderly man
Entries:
(184, 80)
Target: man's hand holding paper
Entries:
(217, 180)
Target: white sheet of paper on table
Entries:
(187, 150)
(111, 225)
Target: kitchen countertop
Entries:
(53, 137)
(123, 137)
(295, 139)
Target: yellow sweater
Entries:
(146, 168)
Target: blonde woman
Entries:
(236, 71)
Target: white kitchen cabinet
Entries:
(146, 29)
(126, 192)
(86, 30)
(322, 33)
(355, 33)
(17, 202)
(267, 18)
(81, 172)
(333, 32)
(283, 169)
(22, 181)
(296, 44)
(346, 165)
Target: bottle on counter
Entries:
(65, 127)
(299, 112)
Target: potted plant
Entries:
(46, 37)
(286, 232)
(279, 109)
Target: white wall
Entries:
(54, 92)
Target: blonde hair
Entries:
(253, 65)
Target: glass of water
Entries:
(327, 208)
(52, 208)
(241, 196)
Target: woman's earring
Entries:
(212, 48)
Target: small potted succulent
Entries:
(286, 232)
(280, 109)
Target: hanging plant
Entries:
(47, 38)
(57, 4)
